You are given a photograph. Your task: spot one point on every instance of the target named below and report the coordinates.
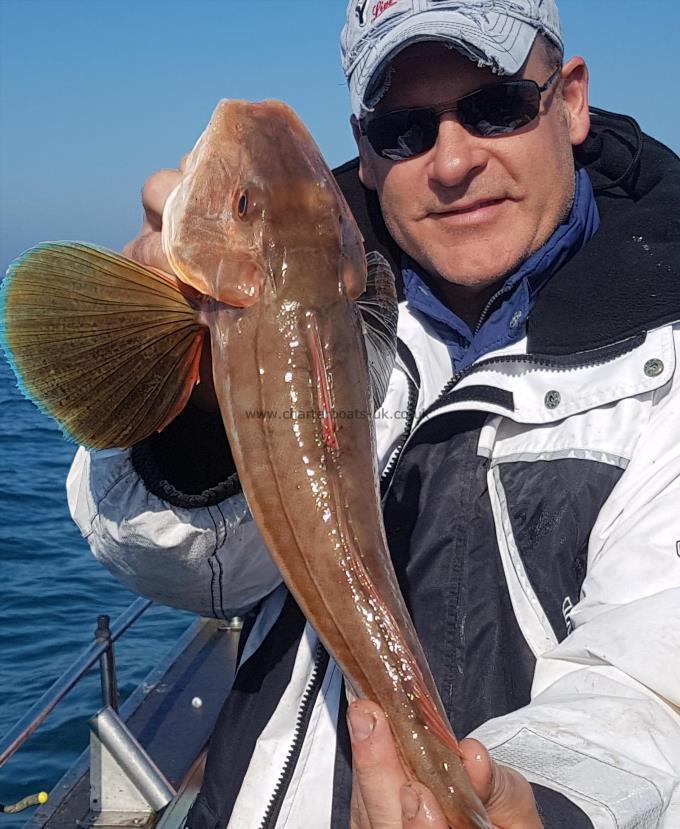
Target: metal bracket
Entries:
(126, 786)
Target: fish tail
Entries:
(108, 348)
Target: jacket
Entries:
(531, 508)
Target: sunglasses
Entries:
(493, 110)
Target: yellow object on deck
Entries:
(30, 800)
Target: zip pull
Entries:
(567, 607)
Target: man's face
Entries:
(471, 209)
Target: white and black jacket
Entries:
(532, 507)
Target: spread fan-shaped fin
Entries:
(108, 348)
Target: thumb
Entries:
(505, 793)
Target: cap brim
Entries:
(504, 47)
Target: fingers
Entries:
(383, 797)
(479, 768)
(419, 809)
(377, 773)
(147, 247)
(506, 794)
(155, 193)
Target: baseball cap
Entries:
(494, 33)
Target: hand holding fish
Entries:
(147, 248)
(385, 796)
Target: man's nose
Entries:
(455, 154)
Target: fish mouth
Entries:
(236, 282)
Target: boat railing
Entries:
(128, 784)
(100, 650)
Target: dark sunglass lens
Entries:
(403, 134)
(500, 109)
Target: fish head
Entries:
(254, 193)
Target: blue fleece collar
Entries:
(515, 299)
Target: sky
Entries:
(97, 94)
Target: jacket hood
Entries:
(626, 280)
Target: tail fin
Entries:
(107, 347)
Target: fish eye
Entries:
(243, 204)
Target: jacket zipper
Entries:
(487, 308)
(301, 724)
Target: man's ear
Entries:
(575, 96)
(366, 176)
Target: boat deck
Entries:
(164, 716)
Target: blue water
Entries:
(52, 592)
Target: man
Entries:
(531, 466)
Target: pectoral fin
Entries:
(108, 348)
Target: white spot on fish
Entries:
(288, 376)
(261, 370)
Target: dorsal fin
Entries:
(379, 313)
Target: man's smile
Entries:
(471, 212)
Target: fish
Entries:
(269, 265)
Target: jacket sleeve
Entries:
(603, 725)
(169, 520)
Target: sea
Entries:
(51, 594)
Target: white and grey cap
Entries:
(494, 33)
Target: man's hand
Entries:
(383, 796)
(146, 248)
